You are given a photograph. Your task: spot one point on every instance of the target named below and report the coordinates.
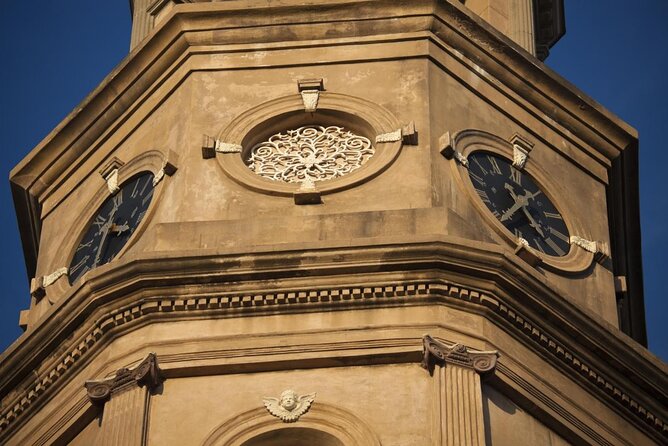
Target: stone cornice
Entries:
(188, 27)
(124, 297)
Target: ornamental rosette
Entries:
(309, 154)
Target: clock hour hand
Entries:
(515, 207)
(521, 202)
(119, 229)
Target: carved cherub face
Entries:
(288, 400)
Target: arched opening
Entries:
(323, 425)
(294, 436)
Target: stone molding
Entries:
(146, 374)
(355, 114)
(568, 360)
(437, 352)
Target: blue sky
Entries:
(57, 52)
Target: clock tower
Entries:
(334, 222)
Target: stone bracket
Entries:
(211, 146)
(620, 284)
(112, 181)
(310, 99)
(168, 168)
(437, 352)
(599, 249)
(310, 91)
(407, 135)
(147, 373)
(38, 284)
(524, 252)
(447, 144)
(307, 194)
(521, 148)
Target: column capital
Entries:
(437, 352)
(147, 373)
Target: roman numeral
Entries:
(552, 215)
(559, 235)
(537, 243)
(482, 169)
(516, 176)
(147, 198)
(476, 178)
(496, 214)
(554, 247)
(495, 166)
(83, 245)
(99, 221)
(118, 199)
(79, 265)
(483, 196)
(134, 190)
(141, 192)
(518, 233)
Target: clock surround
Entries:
(519, 203)
(113, 225)
(470, 141)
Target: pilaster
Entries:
(125, 400)
(460, 392)
(522, 24)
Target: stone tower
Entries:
(334, 222)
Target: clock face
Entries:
(518, 203)
(113, 225)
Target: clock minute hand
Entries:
(105, 228)
(103, 242)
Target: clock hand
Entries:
(521, 201)
(532, 222)
(103, 242)
(119, 229)
(515, 207)
(105, 229)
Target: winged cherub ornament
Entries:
(289, 407)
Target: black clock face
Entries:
(518, 203)
(113, 224)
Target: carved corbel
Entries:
(211, 146)
(524, 252)
(310, 91)
(146, 374)
(447, 144)
(599, 249)
(38, 284)
(407, 135)
(307, 193)
(168, 167)
(110, 174)
(521, 148)
(436, 352)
